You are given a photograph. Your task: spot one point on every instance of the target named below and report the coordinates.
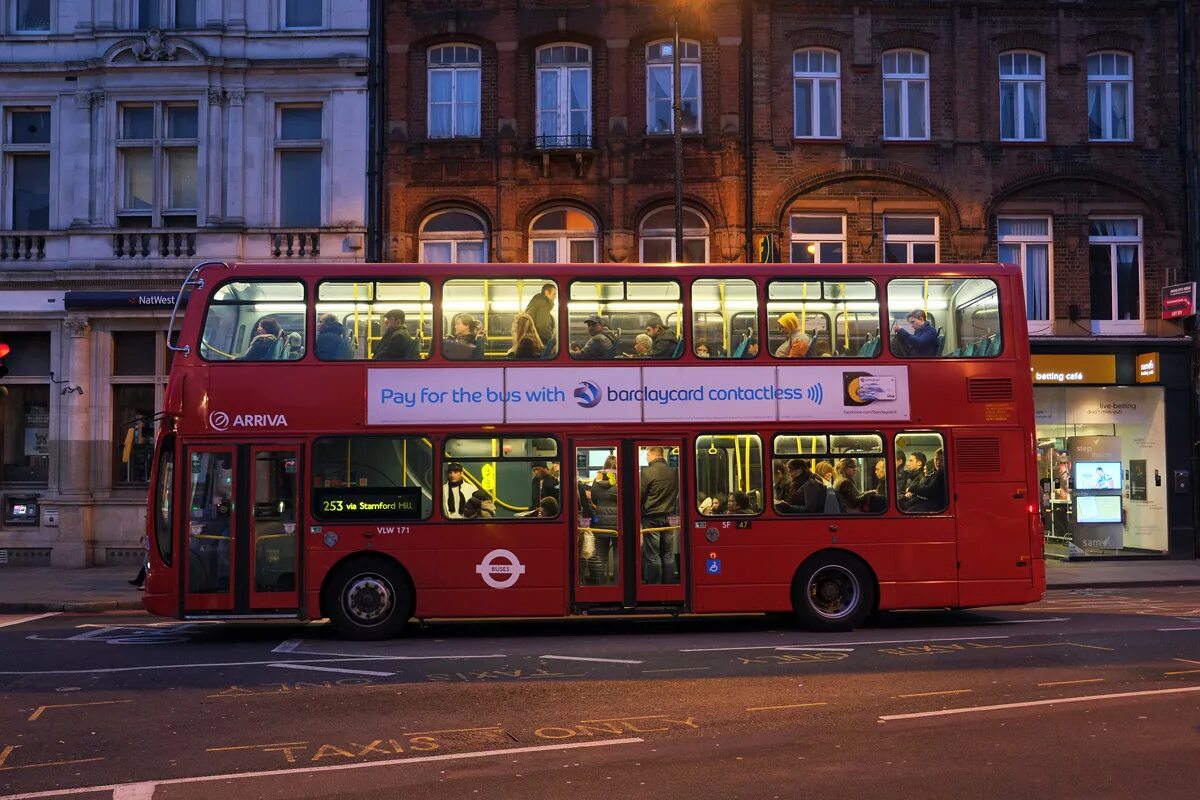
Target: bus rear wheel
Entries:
(369, 599)
(833, 592)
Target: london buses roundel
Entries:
(500, 569)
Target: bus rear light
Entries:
(1032, 510)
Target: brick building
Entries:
(1047, 133)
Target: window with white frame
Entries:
(453, 237)
(564, 96)
(657, 235)
(1022, 97)
(150, 14)
(910, 239)
(818, 239)
(660, 87)
(1115, 261)
(26, 145)
(298, 150)
(1027, 241)
(563, 235)
(905, 94)
(1110, 97)
(455, 72)
(31, 16)
(301, 13)
(157, 147)
(817, 93)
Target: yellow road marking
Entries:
(253, 746)
(1182, 672)
(40, 709)
(455, 730)
(1186, 660)
(623, 719)
(51, 764)
(677, 669)
(934, 694)
(6, 752)
(1065, 683)
(779, 708)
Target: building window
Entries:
(660, 86)
(910, 240)
(156, 147)
(564, 235)
(1115, 258)
(905, 95)
(817, 90)
(1022, 97)
(1110, 97)
(25, 411)
(658, 237)
(564, 96)
(1026, 241)
(166, 14)
(302, 13)
(818, 239)
(26, 146)
(298, 146)
(32, 16)
(139, 372)
(454, 84)
(453, 237)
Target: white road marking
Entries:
(817, 649)
(779, 708)
(23, 620)
(285, 665)
(134, 791)
(839, 644)
(1031, 703)
(1192, 628)
(395, 762)
(288, 646)
(1024, 621)
(585, 658)
(155, 667)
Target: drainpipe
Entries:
(376, 121)
(747, 124)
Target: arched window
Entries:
(658, 237)
(454, 85)
(660, 86)
(1022, 97)
(563, 235)
(453, 237)
(1110, 97)
(564, 96)
(817, 90)
(905, 94)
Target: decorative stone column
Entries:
(214, 171)
(74, 397)
(235, 146)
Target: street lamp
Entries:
(677, 128)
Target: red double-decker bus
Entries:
(370, 443)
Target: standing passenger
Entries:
(660, 499)
(541, 308)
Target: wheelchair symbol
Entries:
(714, 566)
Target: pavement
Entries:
(25, 589)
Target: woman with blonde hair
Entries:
(824, 471)
(526, 343)
(846, 485)
(797, 342)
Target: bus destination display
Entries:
(367, 503)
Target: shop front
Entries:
(1114, 433)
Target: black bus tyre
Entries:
(368, 599)
(833, 592)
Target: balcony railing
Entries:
(571, 141)
(154, 244)
(22, 246)
(296, 244)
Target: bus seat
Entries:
(876, 346)
(278, 350)
(864, 349)
(678, 349)
(550, 348)
(740, 350)
(941, 341)
(968, 349)
(479, 348)
(832, 506)
(994, 348)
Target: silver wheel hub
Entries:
(368, 599)
(834, 592)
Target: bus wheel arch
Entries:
(834, 590)
(368, 597)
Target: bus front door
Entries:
(211, 529)
(626, 533)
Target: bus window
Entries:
(480, 315)
(817, 473)
(724, 318)
(625, 319)
(729, 477)
(379, 320)
(372, 478)
(810, 319)
(506, 478)
(921, 483)
(944, 317)
(254, 321)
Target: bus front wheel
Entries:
(369, 599)
(833, 592)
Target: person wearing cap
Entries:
(664, 338)
(454, 494)
(797, 342)
(544, 484)
(806, 492)
(397, 343)
(602, 341)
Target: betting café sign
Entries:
(635, 394)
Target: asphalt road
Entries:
(1087, 694)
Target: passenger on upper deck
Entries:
(465, 340)
(602, 341)
(396, 343)
(805, 491)
(702, 350)
(920, 341)
(541, 308)
(752, 347)
(266, 343)
(332, 344)
(846, 485)
(739, 503)
(526, 342)
(664, 338)
(797, 342)
(642, 345)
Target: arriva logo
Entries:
(221, 422)
(587, 394)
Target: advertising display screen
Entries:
(1097, 475)
(1105, 508)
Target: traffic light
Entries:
(4, 351)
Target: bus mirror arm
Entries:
(190, 280)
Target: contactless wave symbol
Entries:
(587, 394)
(815, 393)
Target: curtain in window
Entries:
(1033, 110)
(545, 251)
(441, 102)
(548, 103)
(1120, 111)
(689, 97)
(1095, 113)
(659, 92)
(580, 101)
(1037, 281)
(1008, 110)
(804, 121)
(828, 112)
(466, 104)
(916, 110)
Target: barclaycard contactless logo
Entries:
(863, 388)
(587, 394)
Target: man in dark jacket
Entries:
(664, 338)
(660, 499)
(544, 484)
(921, 341)
(541, 308)
(396, 344)
(602, 341)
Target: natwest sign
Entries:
(1179, 301)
